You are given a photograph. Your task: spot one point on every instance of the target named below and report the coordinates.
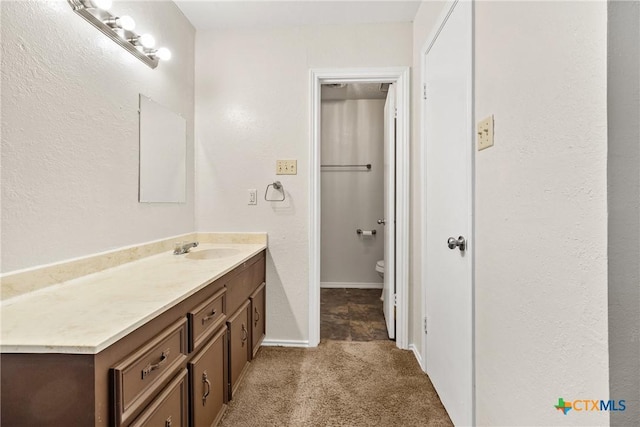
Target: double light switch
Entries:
(485, 133)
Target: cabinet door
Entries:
(169, 409)
(258, 320)
(208, 381)
(239, 344)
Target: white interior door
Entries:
(448, 276)
(390, 211)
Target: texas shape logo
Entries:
(563, 406)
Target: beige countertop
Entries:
(88, 314)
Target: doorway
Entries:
(399, 78)
(357, 121)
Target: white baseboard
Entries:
(351, 285)
(285, 343)
(418, 357)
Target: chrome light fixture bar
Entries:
(120, 30)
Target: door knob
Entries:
(382, 221)
(459, 243)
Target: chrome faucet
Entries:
(183, 248)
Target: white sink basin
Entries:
(214, 253)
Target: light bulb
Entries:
(147, 40)
(163, 53)
(126, 23)
(102, 4)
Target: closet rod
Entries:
(368, 166)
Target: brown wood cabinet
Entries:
(139, 377)
(178, 369)
(258, 323)
(243, 289)
(239, 345)
(209, 382)
(206, 318)
(169, 409)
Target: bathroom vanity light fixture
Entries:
(120, 30)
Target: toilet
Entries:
(380, 268)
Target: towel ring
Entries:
(277, 185)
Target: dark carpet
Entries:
(339, 383)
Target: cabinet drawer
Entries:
(206, 318)
(239, 344)
(138, 377)
(208, 381)
(238, 289)
(169, 409)
(258, 320)
(258, 273)
(244, 283)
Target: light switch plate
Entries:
(286, 167)
(485, 133)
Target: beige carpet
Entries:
(337, 384)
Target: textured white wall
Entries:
(70, 131)
(624, 207)
(352, 133)
(252, 108)
(424, 24)
(541, 212)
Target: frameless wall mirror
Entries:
(163, 154)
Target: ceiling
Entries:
(220, 14)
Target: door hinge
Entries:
(424, 91)
(425, 324)
(395, 113)
(395, 300)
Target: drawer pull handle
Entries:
(205, 380)
(244, 334)
(210, 316)
(257, 316)
(167, 423)
(152, 367)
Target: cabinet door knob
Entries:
(255, 309)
